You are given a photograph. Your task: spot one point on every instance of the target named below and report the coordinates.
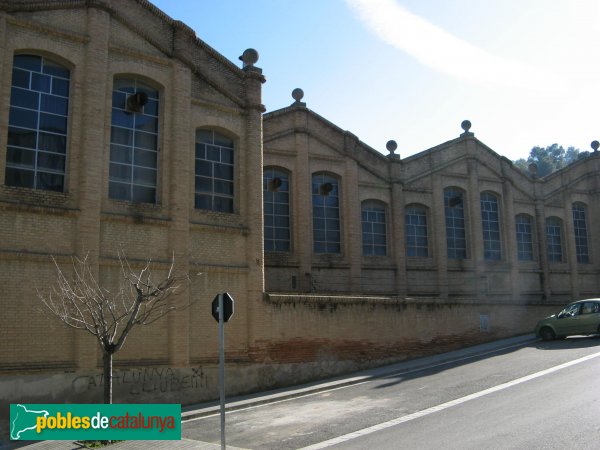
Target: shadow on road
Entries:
(571, 342)
(575, 342)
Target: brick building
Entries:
(120, 129)
(457, 220)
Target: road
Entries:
(534, 396)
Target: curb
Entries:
(252, 400)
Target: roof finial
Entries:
(595, 145)
(297, 95)
(466, 125)
(249, 57)
(391, 147)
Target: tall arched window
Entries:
(490, 224)
(524, 230)
(554, 239)
(415, 219)
(581, 235)
(214, 171)
(455, 223)
(374, 233)
(276, 200)
(326, 214)
(133, 141)
(37, 124)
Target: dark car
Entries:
(581, 317)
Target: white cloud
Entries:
(442, 51)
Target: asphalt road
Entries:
(535, 396)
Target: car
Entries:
(580, 317)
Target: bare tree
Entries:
(81, 303)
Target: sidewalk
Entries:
(236, 403)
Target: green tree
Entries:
(550, 159)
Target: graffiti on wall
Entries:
(147, 380)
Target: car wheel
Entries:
(547, 334)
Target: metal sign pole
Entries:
(222, 369)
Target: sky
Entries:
(525, 72)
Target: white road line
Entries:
(450, 404)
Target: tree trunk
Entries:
(107, 362)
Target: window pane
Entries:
(120, 172)
(32, 115)
(215, 169)
(223, 204)
(51, 161)
(204, 184)
(54, 104)
(144, 158)
(203, 202)
(119, 191)
(144, 194)
(145, 140)
(53, 123)
(122, 118)
(455, 228)
(134, 138)
(19, 177)
(581, 237)
(20, 137)
(416, 231)
(60, 87)
(20, 157)
(29, 62)
(146, 123)
(21, 78)
(53, 142)
(57, 70)
(49, 181)
(121, 136)
(144, 176)
(325, 188)
(40, 82)
(24, 98)
(121, 154)
(204, 168)
(23, 118)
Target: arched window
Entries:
(524, 230)
(276, 200)
(581, 236)
(415, 219)
(133, 141)
(37, 124)
(214, 171)
(326, 214)
(554, 239)
(490, 224)
(455, 223)
(374, 233)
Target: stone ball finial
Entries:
(391, 147)
(297, 94)
(249, 57)
(466, 126)
(533, 169)
(595, 145)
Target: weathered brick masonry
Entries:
(301, 313)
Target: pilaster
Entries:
(91, 185)
(177, 157)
